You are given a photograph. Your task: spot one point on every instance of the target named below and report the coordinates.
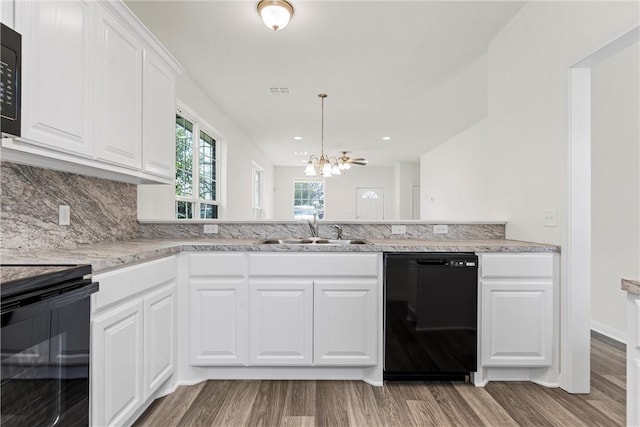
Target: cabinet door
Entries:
(517, 323)
(117, 364)
(280, 322)
(57, 61)
(158, 119)
(218, 321)
(159, 337)
(119, 93)
(346, 322)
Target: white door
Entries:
(370, 203)
(415, 202)
(345, 322)
(117, 364)
(159, 337)
(158, 120)
(218, 321)
(57, 97)
(119, 94)
(517, 323)
(280, 322)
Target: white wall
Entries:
(458, 179)
(528, 103)
(157, 202)
(340, 191)
(615, 186)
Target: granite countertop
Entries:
(108, 255)
(631, 286)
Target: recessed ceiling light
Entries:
(300, 153)
(386, 138)
(297, 138)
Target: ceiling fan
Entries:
(346, 161)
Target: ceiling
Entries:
(414, 71)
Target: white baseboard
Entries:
(608, 331)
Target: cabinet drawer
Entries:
(317, 265)
(118, 284)
(219, 265)
(517, 265)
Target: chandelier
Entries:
(328, 166)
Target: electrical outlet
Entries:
(64, 215)
(398, 229)
(550, 218)
(440, 229)
(210, 229)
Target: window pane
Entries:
(208, 211)
(207, 165)
(184, 157)
(184, 210)
(308, 198)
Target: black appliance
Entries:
(10, 73)
(431, 302)
(45, 340)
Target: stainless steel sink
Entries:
(313, 241)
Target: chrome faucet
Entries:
(339, 230)
(313, 225)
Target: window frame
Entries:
(257, 190)
(199, 125)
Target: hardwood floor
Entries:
(355, 403)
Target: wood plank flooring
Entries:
(355, 403)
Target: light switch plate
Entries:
(64, 215)
(398, 229)
(550, 218)
(440, 229)
(210, 229)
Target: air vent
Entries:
(279, 91)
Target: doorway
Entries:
(370, 203)
(576, 279)
(415, 202)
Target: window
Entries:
(197, 165)
(258, 184)
(308, 198)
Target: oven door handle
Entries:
(13, 314)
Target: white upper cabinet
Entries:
(158, 118)
(98, 92)
(57, 61)
(119, 93)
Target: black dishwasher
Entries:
(431, 302)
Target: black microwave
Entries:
(10, 67)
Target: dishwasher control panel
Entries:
(456, 263)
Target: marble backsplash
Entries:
(101, 210)
(264, 230)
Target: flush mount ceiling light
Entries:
(325, 165)
(275, 13)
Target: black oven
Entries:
(45, 345)
(10, 71)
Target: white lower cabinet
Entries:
(518, 311)
(284, 309)
(159, 337)
(117, 364)
(217, 319)
(517, 323)
(280, 322)
(133, 344)
(344, 322)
